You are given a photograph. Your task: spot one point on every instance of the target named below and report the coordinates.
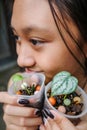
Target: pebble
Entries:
(77, 100)
(70, 104)
(33, 84)
(67, 102)
(24, 85)
(62, 109)
(52, 100)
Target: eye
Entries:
(16, 37)
(36, 42)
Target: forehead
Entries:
(25, 5)
(27, 12)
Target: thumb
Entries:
(63, 122)
(6, 98)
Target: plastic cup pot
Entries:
(62, 110)
(30, 86)
(64, 96)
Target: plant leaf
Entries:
(17, 77)
(63, 83)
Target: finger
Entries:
(42, 127)
(50, 124)
(45, 126)
(14, 127)
(22, 121)
(19, 111)
(6, 98)
(47, 113)
(63, 122)
(82, 125)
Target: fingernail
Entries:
(23, 101)
(49, 113)
(37, 112)
(44, 120)
(51, 116)
(44, 114)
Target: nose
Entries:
(25, 56)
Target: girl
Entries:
(51, 36)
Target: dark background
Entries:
(8, 65)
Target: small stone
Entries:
(19, 92)
(62, 109)
(77, 108)
(67, 102)
(24, 85)
(33, 84)
(77, 100)
(59, 101)
(71, 113)
(52, 100)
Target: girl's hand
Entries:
(61, 123)
(17, 117)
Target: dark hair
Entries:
(9, 8)
(75, 10)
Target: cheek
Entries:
(49, 61)
(56, 61)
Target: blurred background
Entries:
(8, 65)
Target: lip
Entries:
(31, 71)
(28, 70)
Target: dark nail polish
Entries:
(47, 111)
(23, 101)
(44, 114)
(38, 113)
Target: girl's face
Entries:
(39, 45)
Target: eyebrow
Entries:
(34, 29)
